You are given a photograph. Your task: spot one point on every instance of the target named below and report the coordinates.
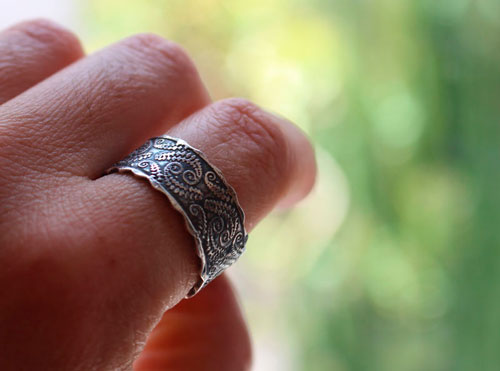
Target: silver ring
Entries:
(199, 191)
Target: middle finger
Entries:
(88, 115)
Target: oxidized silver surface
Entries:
(198, 190)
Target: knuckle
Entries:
(145, 41)
(161, 51)
(257, 133)
(50, 35)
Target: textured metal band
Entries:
(199, 191)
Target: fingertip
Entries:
(302, 165)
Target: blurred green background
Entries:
(393, 262)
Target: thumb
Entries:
(207, 332)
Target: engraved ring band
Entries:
(198, 190)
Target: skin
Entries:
(95, 268)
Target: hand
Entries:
(91, 265)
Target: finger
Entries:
(32, 51)
(265, 158)
(247, 142)
(98, 109)
(206, 333)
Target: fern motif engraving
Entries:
(199, 191)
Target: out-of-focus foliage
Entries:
(394, 262)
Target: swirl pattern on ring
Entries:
(200, 193)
